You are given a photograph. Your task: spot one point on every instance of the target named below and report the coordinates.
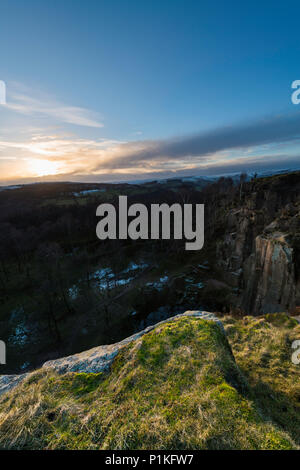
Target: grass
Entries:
(262, 349)
(178, 387)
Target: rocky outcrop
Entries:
(7, 382)
(181, 386)
(269, 276)
(259, 253)
(100, 358)
(261, 268)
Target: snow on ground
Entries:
(158, 285)
(105, 278)
(5, 188)
(20, 335)
(85, 192)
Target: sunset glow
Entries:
(40, 168)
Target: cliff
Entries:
(270, 275)
(259, 251)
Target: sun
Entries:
(39, 167)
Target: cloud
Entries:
(266, 143)
(201, 146)
(25, 103)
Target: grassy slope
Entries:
(177, 387)
(262, 349)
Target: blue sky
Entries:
(107, 89)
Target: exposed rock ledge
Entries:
(269, 275)
(100, 358)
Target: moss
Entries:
(76, 383)
(281, 319)
(274, 441)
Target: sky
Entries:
(117, 90)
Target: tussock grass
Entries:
(178, 387)
(262, 349)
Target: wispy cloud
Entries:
(30, 103)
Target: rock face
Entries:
(236, 244)
(261, 267)
(100, 358)
(259, 251)
(7, 382)
(269, 274)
